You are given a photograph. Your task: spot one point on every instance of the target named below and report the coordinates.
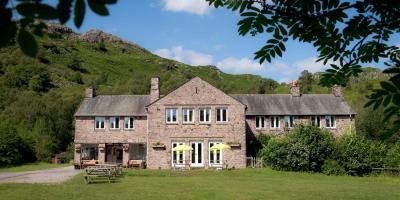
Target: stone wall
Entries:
(196, 94)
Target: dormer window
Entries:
(99, 123)
(171, 115)
(114, 122)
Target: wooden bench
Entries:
(98, 173)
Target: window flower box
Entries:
(158, 145)
(234, 144)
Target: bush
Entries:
(10, 147)
(332, 167)
(393, 156)
(358, 155)
(304, 149)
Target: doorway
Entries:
(114, 153)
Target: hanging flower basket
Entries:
(158, 145)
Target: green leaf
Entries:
(79, 12)
(98, 7)
(388, 86)
(64, 10)
(27, 43)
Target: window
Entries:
(187, 114)
(89, 152)
(316, 121)
(196, 154)
(330, 121)
(177, 156)
(222, 114)
(171, 115)
(114, 122)
(128, 123)
(289, 121)
(275, 122)
(260, 122)
(204, 115)
(99, 123)
(215, 157)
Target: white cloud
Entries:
(311, 65)
(199, 7)
(188, 56)
(238, 66)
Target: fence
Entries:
(254, 162)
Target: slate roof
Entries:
(114, 105)
(285, 104)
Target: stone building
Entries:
(119, 128)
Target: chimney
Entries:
(295, 89)
(155, 89)
(337, 90)
(89, 92)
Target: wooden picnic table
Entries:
(100, 171)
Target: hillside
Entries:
(38, 97)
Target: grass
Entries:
(236, 184)
(32, 167)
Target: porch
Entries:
(120, 153)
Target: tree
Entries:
(35, 13)
(347, 32)
(306, 80)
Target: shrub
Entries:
(304, 149)
(393, 156)
(10, 147)
(332, 167)
(358, 155)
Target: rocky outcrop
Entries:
(98, 36)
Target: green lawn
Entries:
(236, 184)
(32, 166)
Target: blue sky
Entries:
(192, 32)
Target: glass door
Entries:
(178, 157)
(196, 155)
(215, 156)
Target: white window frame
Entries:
(330, 121)
(215, 152)
(316, 121)
(186, 111)
(196, 155)
(209, 115)
(102, 121)
(169, 113)
(291, 121)
(181, 163)
(128, 121)
(276, 121)
(260, 119)
(221, 114)
(113, 125)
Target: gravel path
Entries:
(54, 175)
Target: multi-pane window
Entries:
(260, 122)
(128, 123)
(330, 121)
(171, 115)
(99, 122)
(316, 121)
(205, 115)
(214, 156)
(178, 157)
(274, 122)
(114, 122)
(187, 114)
(289, 121)
(222, 115)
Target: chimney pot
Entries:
(89, 92)
(155, 89)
